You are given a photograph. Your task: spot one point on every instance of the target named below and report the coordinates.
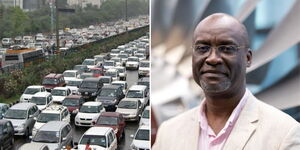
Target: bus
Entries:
(23, 55)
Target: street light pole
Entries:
(126, 19)
(57, 33)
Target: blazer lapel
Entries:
(193, 131)
(245, 125)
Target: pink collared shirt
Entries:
(208, 140)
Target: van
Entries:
(139, 92)
(53, 80)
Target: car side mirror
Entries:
(65, 138)
(30, 116)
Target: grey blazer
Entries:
(259, 127)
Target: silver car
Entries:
(56, 134)
(22, 117)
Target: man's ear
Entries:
(249, 57)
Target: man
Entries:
(230, 117)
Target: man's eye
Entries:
(227, 49)
(202, 48)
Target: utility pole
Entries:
(126, 19)
(57, 33)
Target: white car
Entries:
(130, 108)
(99, 138)
(90, 63)
(30, 91)
(132, 63)
(140, 56)
(121, 83)
(114, 52)
(71, 75)
(114, 73)
(144, 68)
(139, 92)
(88, 113)
(73, 85)
(52, 113)
(145, 117)
(141, 139)
(42, 99)
(59, 94)
(108, 64)
(122, 72)
(117, 60)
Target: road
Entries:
(131, 127)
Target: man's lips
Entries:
(213, 72)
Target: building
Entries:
(12, 3)
(84, 3)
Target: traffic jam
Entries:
(101, 104)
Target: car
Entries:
(97, 72)
(42, 99)
(144, 81)
(6, 42)
(132, 63)
(3, 108)
(141, 139)
(114, 52)
(145, 117)
(73, 85)
(55, 134)
(99, 59)
(90, 63)
(71, 75)
(122, 72)
(90, 87)
(59, 94)
(6, 135)
(110, 96)
(114, 120)
(130, 108)
(88, 113)
(22, 117)
(34, 146)
(106, 80)
(108, 64)
(139, 92)
(144, 68)
(53, 80)
(86, 75)
(98, 138)
(124, 57)
(140, 56)
(30, 91)
(73, 103)
(123, 84)
(81, 68)
(114, 73)
(52, 113)
(117, 61)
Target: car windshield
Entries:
(108, 63)
(118, 84)
(79, 67)
(45, 117)
(146, 114)
(46, 137)
(56, 92)
(133, 59)
(110, 73)
(97, 71)
(144, 64)
(16, 114)
(134, 94)
(70, 102)
(38, 100)
(143, 83)
(69, 74)
(50, 81)
(105, 120)
(127, 104)
(83, 76)
(89, 109)
(86, 84)
(88, 62)
(121, 70)
(105, 80)
(108, 92)
(116, 59)
(139, 55)
(31, 91)
(115, 51)
(74, 83)
(123, 56)
(93, 140)
(142, 135)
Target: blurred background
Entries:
(273, 27)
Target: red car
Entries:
(97, 72)
(114, 120)
(53, 80)
(73, 103)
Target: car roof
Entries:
(53, 126)
(41, 94)
(110, 114)
(112, 70)
(97, 131)
(35, 86)
(91, 79)
(110, 87)
(54, 108)
(130, 99)
(92, 103)
(53, 75)
(105, 77)
(74, 96)
(137, 87)
(90, 59)
(118, 81)
(32, 146)
(60, 88)
(71, 71)
(144, 127)
(144, 79)
(22, 106)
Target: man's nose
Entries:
(213, 58)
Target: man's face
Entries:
(220, 58)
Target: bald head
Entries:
(222, 21)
